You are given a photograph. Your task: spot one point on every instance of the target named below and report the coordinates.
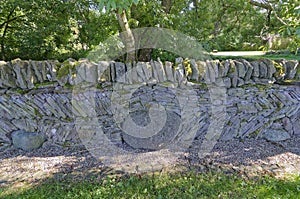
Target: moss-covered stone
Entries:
(66, 68)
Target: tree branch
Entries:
(10, 20)
(260, 4)
(277, 17)
(267, 5)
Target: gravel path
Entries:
(250, 157)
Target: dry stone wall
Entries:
(38, 97)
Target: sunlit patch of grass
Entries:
(179, 185)
(255, 57)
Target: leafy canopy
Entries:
(116, 4)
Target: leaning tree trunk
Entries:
(127, 36)
(167, 5)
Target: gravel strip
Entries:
(249, 157)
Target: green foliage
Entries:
(187, 67)
(180, 185)
(289, 11)
(73, 28)
(221, 25)
(118, 5)
(70, 29)
(280, 71)
(163, 55)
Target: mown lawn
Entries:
(180, 185)
(254, 57)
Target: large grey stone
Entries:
(51, 67)
(291, 68)
(210, 72)
(225, 69)
(233, 74)
(247, 108)
(103, 71)
(263, 70)
(141, 72)
(147, 68)
(296, 127)
(28, 141)
(7, 79)
(255, 65)
(120, 70)
(227, 82)
(169, 71)
(202, 68)
(159, 72)
(215, 67)
(18, 67)
(91, 73)
(249, 70)
(241, 69)
(36, 71)
(276, 135)
(195, 72)
(271, 68)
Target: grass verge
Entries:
(180, 185)
(255, 57)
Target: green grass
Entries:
(255, 57)
(180, 185)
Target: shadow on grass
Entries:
(179, 185)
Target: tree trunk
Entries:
(5, 24)
(128, 36)
(167, 5)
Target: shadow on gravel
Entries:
(19, 168)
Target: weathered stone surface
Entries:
(147, 69)
(256, 68)
(291, 69)
(233, 74)
(120, 70)
(134, 75)
(240, 82)
(210, 72)
(263, 70)
(247, 107)
(103, 71)
(215, 67)
(236, 92)
(140, 72)
(53, 109)
(18, 67)
(241, 69)
(169, 71)
(227, 82)
(201, 66)
(158, 71)
(195, 72)
(91, 73)
(296, 127)
(26, 74)
(249, 70)
(27, 141)
(271, 68)
(276, 135)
